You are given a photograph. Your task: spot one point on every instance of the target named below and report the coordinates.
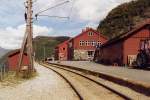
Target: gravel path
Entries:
(46, 86)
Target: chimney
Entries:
(87, 28)
(83, 30)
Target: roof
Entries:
(90, 29)
(83, 32)
(63, 42)
(14, 52)
(3, 59)
(124, 36)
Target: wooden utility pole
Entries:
(27, 42)
(28, 37)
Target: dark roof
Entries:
(4, 57)
(124, 36)
(14, 52)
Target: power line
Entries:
(55, 16)
(52, 7)
(71, 10)
(35, 1)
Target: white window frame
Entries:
(99, 43)
(81, 43)
(86, 43)
(90, 33)
(91, 54)
(93, 43)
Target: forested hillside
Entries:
(48, 43)
(124, 18)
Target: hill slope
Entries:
(124, 18)
(48, 43)
(3, 51)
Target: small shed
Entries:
(13, 59)
(124, 48)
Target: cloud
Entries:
(95, 10)
(85, 13)
(11, 38)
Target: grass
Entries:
(11, 79)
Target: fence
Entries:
(3, 70)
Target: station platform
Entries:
(139, 79)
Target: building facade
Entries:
(61, 51)
(81, 47)
(123, 49)
(13, 59)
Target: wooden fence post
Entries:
(0, 73)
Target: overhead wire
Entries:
(55, 16)
(71, 10)
(52, 7)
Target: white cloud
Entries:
(95, 10)
(89, 12)
(11, 38)
(85, 10)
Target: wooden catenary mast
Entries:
(27, 45)
(27, 41)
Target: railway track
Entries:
(67, 81)
(55, 68)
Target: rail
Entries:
(98, 83)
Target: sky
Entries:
(81, 13)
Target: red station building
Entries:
(123, 49)
(13, 59)
(81, 47)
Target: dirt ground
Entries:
(46, 86)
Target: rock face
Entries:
(124, 18)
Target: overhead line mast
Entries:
(27, 42)
(27, 45)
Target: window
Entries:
(81, 43)
(93, 43)
(86, 43)
(90, 53)
(90, 33)
(98, 43)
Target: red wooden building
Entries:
(13, 59)
(81, 47)
(61, 51)
(124, 48)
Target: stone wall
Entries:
(81, 55)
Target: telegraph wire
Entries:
(52, 7)
(55, 16)
(71, 10)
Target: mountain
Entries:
(47, 44)
(124, 18)
(3, 51)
